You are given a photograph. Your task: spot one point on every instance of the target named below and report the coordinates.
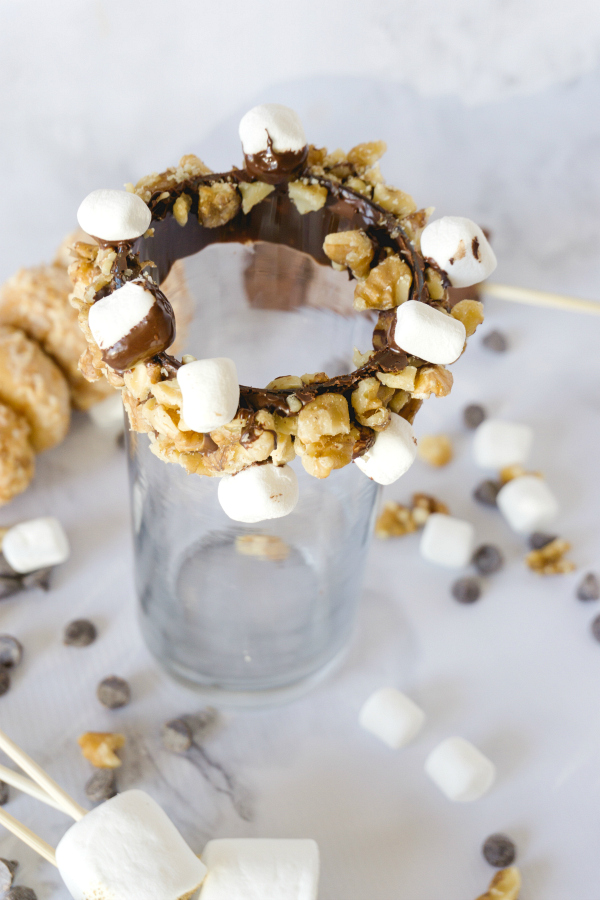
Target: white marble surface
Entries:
(516, 673)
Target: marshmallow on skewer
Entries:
(257, 869)
(392, 717)
(427, 332)
(460, 248)
(211, 393)
(272, 120)
(35, 544)
(114, 215)
(447, 541)
(128, 849)
(392, 454)
(498, 444)
(258, 493)
(527, 504)
(460, 770)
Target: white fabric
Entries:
(271, 120)
(392, 454)
(392, 717)
(429, 333)
(259, 493)
(460, 248)
(261, 869)
(460, 770)
(527, 504)
(114, 316)
(497, 444)
(447, 541)
(35, 544)
(114, 215)
(211, 393)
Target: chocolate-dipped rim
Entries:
(275, 219)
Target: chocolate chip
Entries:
(114, 692)
(40, 579)
(11, 651)
(466, 590)
(539, 539)
(499, 851)
(487, 559)
(101, 786)
(486, 492)
(177, 736)
(589, 589)
(20, 893)
(495, 341)
(9, 586)
(4, 681)
(473, 415)
(595, 626)
(8, 867)
(80, 633)
(4, 793)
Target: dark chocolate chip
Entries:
(589, 589)
(40, 579)
(20, 893)
(539, 539)
(80, 633)
(4, 681)
(466, 590)
(487, 559)
(8, 867)
(487, 492)
(101, 786)
(595, 626)
(4, 793)
(114, 692)
(11, 651)
(177, 736)
(499, 851)
(495, 341)
(473, 415)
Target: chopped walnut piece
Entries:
(217, 204)
(253, 192)
(99, 748)
(350, 248)
(368, 403)
(404, 380)
(181, 209)
(316, 155)
(435, 284)
(360, 359)
(398, 401)
(168, 393)
(394, 201)
(327, 414)
(364, 156)
(321, 456)
(508, 473)
(394, 520)
(432, 380)
(470, 313)
(548, 560)
(140, 379)
(284, 451)
(314, 377)
(286, 424)
(414, 224)
(373, 176)
(307, 197)
(424, 505)
(435, 449)
(410, 409)
(190, 166)
(505, 885)
(386, 286)
(262, 546)
(360, 186)
(285, 383)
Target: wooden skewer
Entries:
(67, 804)
(27, 836)
(27, 787)
(540, 298)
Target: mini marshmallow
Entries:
(429, 333)
(36, 544)
(392, 454)
(447, 541)
(114, 215)
(527, 504)
(460, 770)
(112, 317)
(497, 444)
(460, 248)
(259, 493)
(392, 716)
(271, 120)
(211, 393)
(127, 849)
(261, 869)
(108, 414)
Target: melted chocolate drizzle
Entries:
(273, 166)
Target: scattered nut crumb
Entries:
(262, 546)
(396, 520)
(99, 748)
(436, 449)
(505, 885)
(548, 560)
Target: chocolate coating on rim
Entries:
(273, 166)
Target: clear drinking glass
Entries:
(249, 613)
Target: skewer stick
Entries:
(67, 804)
(540, 298)
(9, 776)
(27, 836)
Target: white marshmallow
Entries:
(273, 120)
(527, 504)
(115, 315)
(211, 393)
(35, 544)
(114, 215)
(259, 493)
(392, 717)
(497, 444)
(460, 770)
(447, 541)
(108, 414)
(127, 849)
(392, 454)
(426, 332)
(460, 248)
(261, 869)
